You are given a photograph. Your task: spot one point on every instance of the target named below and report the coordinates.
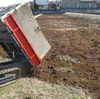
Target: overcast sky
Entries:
(10, 2)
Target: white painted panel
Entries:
(41, 2)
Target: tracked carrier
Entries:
(22, 39)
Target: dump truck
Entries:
(22, 39)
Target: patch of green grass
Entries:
(66, 88)
(76, 97)
(2, 92)
(55, 59)
(18, 85)
(66, 58)
(13, 97)
(20, 92)
(33, 79)
(65, 69)
(45, 89)
(0, 95)
(2, 89)
(84, 79)
(29, 97)
(3, 59)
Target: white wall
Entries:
(42, 2)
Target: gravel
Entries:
(91, 17)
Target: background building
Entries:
(79, 3)
(42, 4)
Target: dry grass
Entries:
(28, 88)
(4, 59)
(65, 69)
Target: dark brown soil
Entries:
(3, 53)
(77, 38)
(75, 45)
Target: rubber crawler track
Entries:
(12, 69)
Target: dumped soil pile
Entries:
(74, 58)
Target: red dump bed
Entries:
(24, 44)
(25, 29)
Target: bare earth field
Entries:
(74, 58)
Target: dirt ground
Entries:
(74, 58)
(3, 53)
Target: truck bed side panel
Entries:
(30, 28)
(19, 35)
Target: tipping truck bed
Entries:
(22, 40)
(23, 26)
